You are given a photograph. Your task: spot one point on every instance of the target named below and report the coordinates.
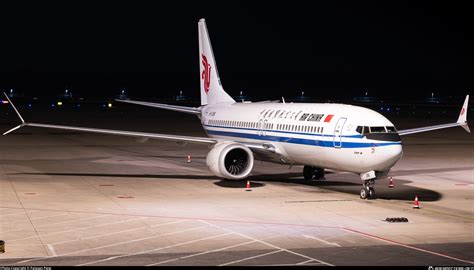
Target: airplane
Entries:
(317, 136)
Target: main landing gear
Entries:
(313, 172)
(368, 192)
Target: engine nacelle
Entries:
(230, 160)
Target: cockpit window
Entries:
(362, 130)
(377, 129)
(366, 130)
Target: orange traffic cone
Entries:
(390, 185)
(189, 158)
(248, 186)
(415, 203)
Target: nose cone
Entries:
(392, 155)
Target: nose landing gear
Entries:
(313, 172)
(368, 192)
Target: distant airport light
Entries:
(109, 105)
(78, 105)
(52, 105)
(29, 105)
(60, 103)
(4, 101)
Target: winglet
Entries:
(463, 115)
(19, 115)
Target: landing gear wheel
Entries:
(371, 193)
(308, 172)
(368, 191)
(319, 173)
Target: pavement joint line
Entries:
(100, 191)
(34, 219)
(155, 249)
(12, 214)
(267, 244)
(407, 246)
(96, 236)
(334, 200)
(111, 245)
(83, 228)
(202, 253)
(234, 221)
(25, 210)
(173, 164)
(101, 235)
(193, 218)
(252, 257)
(62, 222)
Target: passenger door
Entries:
(260, 127)
(338, 132)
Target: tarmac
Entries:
(69, 198)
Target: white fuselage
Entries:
(313, 134)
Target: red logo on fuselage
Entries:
(206, 74)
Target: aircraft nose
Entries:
(395, 154)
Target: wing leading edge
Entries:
(462, 122)
(183, 109)
(254, 146)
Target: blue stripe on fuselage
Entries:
(287, 132)
(298, 140)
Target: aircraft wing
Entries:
(462, 122)
(121, 132)
(184, 109)
(267, 101)
(191, 139)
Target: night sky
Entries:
(268, 49)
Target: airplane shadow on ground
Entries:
(350, 184)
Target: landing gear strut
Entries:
(313, 172)
(368, 192)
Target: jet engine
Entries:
(230, 160)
